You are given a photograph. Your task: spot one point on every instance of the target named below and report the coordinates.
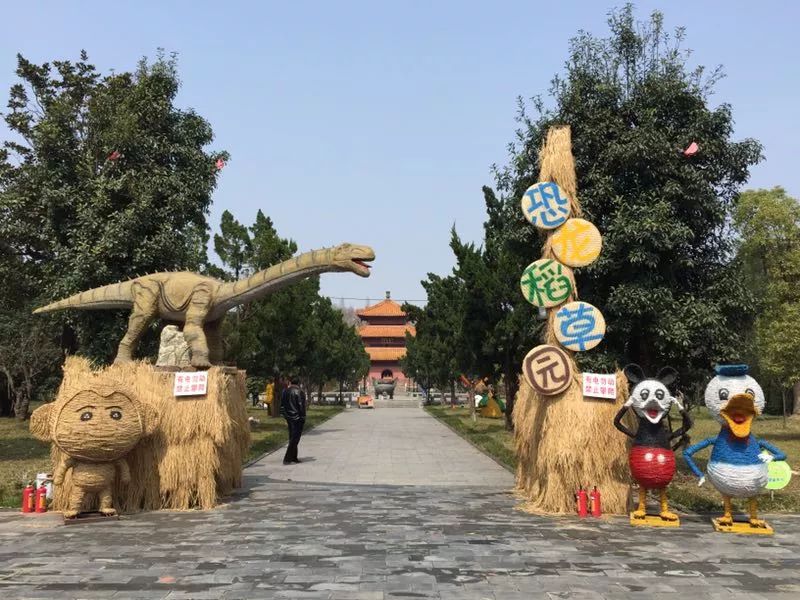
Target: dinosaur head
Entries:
(353, 257)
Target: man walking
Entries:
(293, 407)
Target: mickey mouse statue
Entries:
(651, 459)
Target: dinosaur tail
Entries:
(116, 295)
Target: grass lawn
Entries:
(492, 437)
(22, 456)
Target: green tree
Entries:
(103, 179)
(233, 246)
(431, 354)
(349, 361)
(666, 281)
(769, 225)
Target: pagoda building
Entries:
(384, 335)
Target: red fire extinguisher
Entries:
(28, 499)
(41, 499)
(594, 497)
(582, 501)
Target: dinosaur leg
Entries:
(754, 520)
(107, 502)
(214, 338)
(193, 329)
(144, 311)
(727, 518)
(75, 503)
(641, 512)
(665, 514)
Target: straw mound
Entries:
(564, 442)
(195, 455)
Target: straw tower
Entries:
(566, 441)
(195, 455)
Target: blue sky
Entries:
(377, 122)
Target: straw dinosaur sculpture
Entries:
(201, 302)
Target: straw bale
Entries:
(557, 164)
(565, 441)
(194, 457)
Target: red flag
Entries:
(114, 155)
(692, 149)
(220, 164)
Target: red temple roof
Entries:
(386, 331)
(385, 353)
(384, 308)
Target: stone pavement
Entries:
(335, 540)
(395, 446)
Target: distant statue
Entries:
(385, 385)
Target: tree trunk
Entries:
(511, 385)
(319, 395)
(452, 393)
(472, 409)
(796, 394)
(21, 404)
(341, 387)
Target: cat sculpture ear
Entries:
(667, 376)
(40, 422)
(634, 373)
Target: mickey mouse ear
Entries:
(633, 373)
(667, 376)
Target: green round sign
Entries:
(779, 474)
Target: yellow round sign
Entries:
(548, 369)
(577, 243)
(546, 282)
(779, 473)
(545, 205)
(579, 326)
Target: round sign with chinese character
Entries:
(548, 369)
(545, 205)
(579, 326)
(577, 243)
(778, 474)
(546, 282)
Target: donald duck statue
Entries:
(738, 464)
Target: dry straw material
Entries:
(564, 441)
(194, 456)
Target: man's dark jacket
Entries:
(293, 403)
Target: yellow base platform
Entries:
(654, 521)
(742, 527)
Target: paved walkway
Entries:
(341, 540)
(394, 446)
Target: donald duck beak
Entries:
(739, 413)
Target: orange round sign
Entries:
(577, 243)
(548, 369)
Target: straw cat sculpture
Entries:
(95, 421)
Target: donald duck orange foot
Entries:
(738, 464)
